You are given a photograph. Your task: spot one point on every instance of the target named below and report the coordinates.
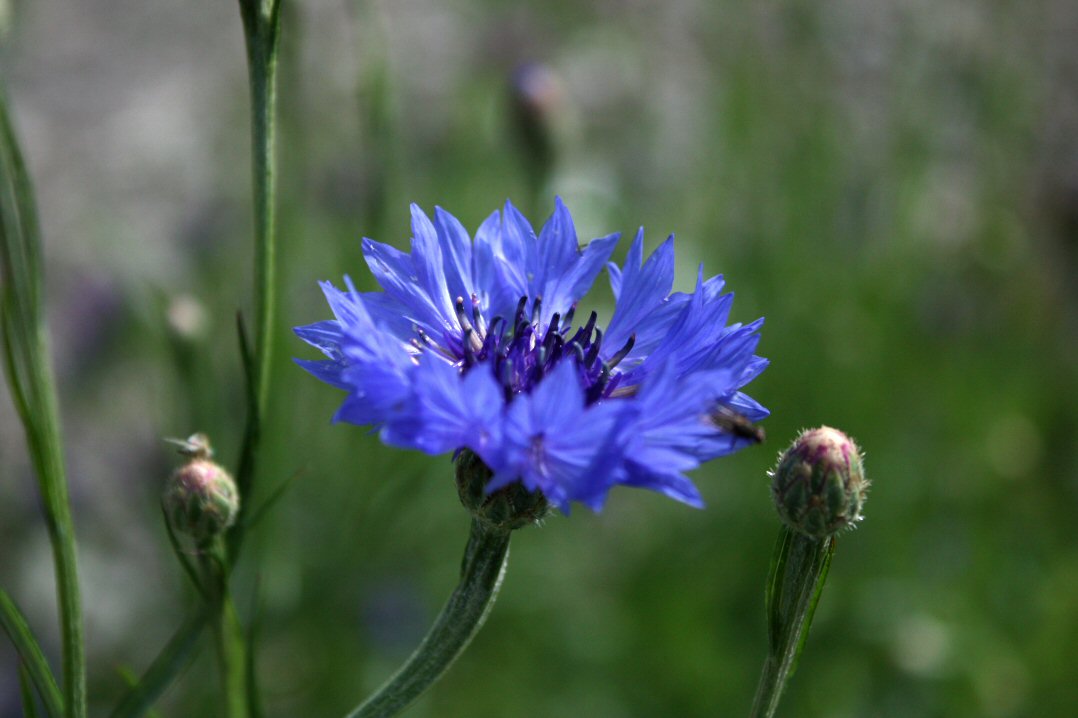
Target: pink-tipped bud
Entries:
(819, 484)
(200, 498)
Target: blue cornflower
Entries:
(473, 346)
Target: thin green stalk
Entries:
(227, 630)
(261, 25)
(231, 654)
(32, 662)
(29, 373)
(482, 570)
(799, 568)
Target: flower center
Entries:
(521, 352)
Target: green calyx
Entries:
(510, 507)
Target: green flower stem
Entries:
(798, 571)
(261, 29)
(232, 656)
(29, 372)
(227, 631)
(482, 570)
(261, 26)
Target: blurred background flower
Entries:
(892, 184)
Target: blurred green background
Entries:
(894, 186)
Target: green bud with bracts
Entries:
(819, 485)
(200, 497)
(508, 508)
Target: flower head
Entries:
(477, 345)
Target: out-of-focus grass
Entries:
(869, 177)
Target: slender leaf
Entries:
(257, 514)
(26, 693)
(32, 659)
(176, 654)
(131, 679)
(177, 549)
(29, 372)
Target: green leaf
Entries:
(799, 567)
(26, 693)
(178, 551)
(32, 661)
(173, 658)
(29, 372)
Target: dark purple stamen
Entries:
(593, 352)
(568, 319)
(520, 353)
(623, 352)
(518, 317)
(477, 316)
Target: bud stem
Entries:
(799, 568)
(231, 654)
(228, 633)
(482, 570)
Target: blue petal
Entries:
(615, 279)
(484, 270)
(325, 335)
(558, 248)
(516, 249)
(450, 411)
(563, 289)
(344, 305)
(747, 406)
(665, 479)
(429, 266)
(556, 446)
(456, 253)
(390, 314)
(641, 291)
(395, 272)
(327, 370)
(377, 392)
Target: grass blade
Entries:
(173, 657)
(26, 693)
(31, 658)
(29, 373)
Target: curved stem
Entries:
(799, 568)
(482, 570)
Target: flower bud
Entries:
(200, 498)
(819, 484)
(510, 507)
(538, 105)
